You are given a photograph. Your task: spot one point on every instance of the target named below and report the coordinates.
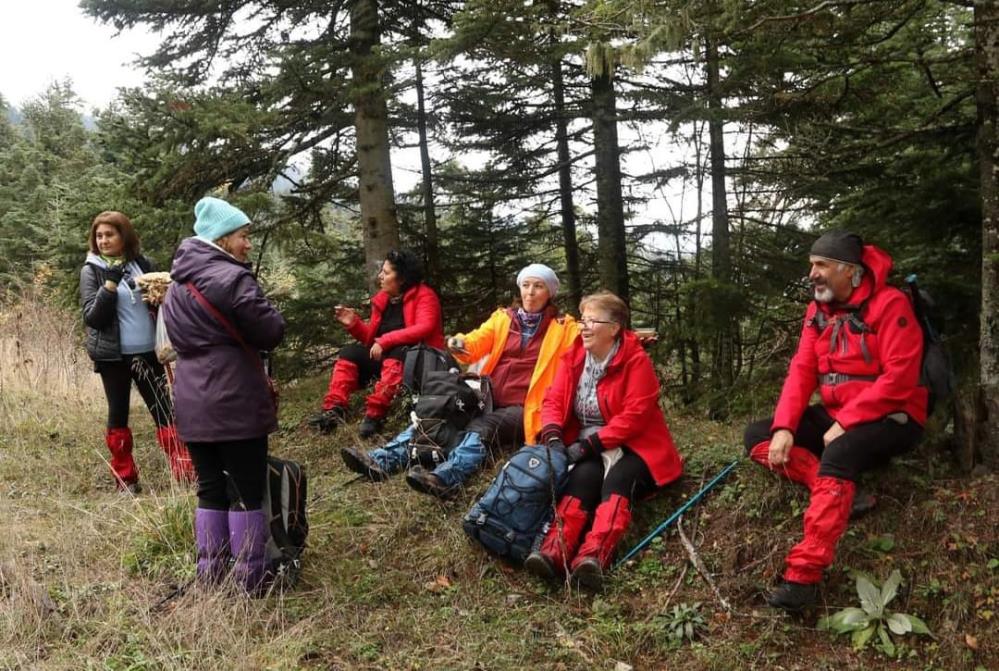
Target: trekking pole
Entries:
(690, 503)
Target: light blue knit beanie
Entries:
(543, 273)
(214, 218)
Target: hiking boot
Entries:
(793, 597)
(358, 461)
(538, 564)
(370, 426)
(131, 488)
(587, 572)
(863, 503)
(426, 482)
(327, 421)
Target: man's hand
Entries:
(456, 344)
(344, 315)
(834, 432)
(376, 352)
(780, 447)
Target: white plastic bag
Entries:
(164, 348)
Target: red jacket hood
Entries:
(878, 265)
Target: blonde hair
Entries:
(610, 303)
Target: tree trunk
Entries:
(565, 189)
(987, 59)
(721, 259)
(379, 223)
(610, 203)
(429, 212)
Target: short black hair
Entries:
(407, 265)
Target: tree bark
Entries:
(429, 211)
(721, 258)
(987, 95)
(611, 246)
(565, 189)
(379, 223)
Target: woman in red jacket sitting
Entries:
(604, 402)
(405, 312)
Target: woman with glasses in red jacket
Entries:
(603, 403)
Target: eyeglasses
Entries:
(588, 323)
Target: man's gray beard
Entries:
(824, 294)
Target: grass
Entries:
(391, 582)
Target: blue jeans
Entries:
(394, 455)
(503, 427)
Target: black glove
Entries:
(579, 450)
(556, 444)
(115, 273)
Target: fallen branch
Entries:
(695, 559)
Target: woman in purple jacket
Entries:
(221, 398)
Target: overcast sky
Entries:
(42, 41)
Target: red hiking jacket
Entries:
(628, 395)
(421, 311)
(889, 352)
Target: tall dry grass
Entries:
(83, 568)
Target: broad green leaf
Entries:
(886, 643)
(870, 596)
(917, 625)
(862, 636)
(890, 588)
(848, 619)
(899, 624)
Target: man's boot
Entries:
(211, 534)
(610, 521)
(123, 468)
(825, 521)
(793, 597)
(559, 546)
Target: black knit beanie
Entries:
(839, 246)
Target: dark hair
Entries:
(123, 225)
(407, 266)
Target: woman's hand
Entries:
(115, 272)
(376, 352)
(457, 344)
(344, 315)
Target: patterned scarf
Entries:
(529, 323)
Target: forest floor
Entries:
(391, 582)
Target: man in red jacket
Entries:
(861, 347)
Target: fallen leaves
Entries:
(438, 584)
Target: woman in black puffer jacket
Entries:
(121, 336)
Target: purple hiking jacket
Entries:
(220, 393)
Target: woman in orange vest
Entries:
(523, 344)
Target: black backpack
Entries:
(420, 360)
(937, 373)
(517, 509)
(284, 502)
(447, 403)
